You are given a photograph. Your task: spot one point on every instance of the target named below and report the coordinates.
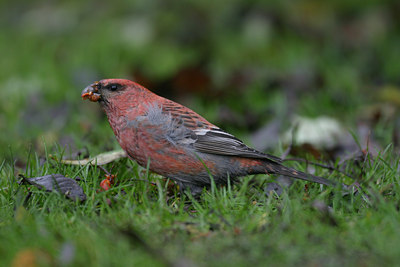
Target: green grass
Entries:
(241, 65)
(137, 223)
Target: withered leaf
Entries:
(59, 183)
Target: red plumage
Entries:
(177, 142)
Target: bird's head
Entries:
(107, 89)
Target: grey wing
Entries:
(216, 141)
(187, 128)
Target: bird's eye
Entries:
(113, 87)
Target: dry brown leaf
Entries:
(32, 257)
(25, 258)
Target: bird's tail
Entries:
(286, 171)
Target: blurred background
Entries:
(250, 67)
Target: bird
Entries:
(177, 143)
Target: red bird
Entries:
(177, 142)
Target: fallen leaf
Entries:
(25, 258)
(100, 159)
(59, 183)
(321, 132)
(32, 257)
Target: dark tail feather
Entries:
(286, 171)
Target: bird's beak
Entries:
(92, 92)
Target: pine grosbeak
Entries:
(177, 142)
